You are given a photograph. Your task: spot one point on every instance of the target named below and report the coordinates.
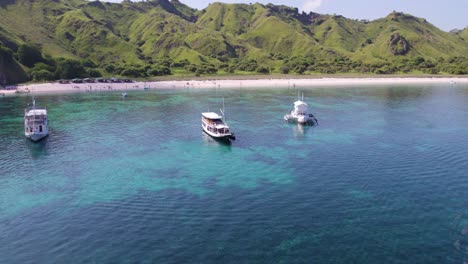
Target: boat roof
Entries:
(211, 115)
(221, 126)
(297, 103)
(33, 112)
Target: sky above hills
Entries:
(447, 15)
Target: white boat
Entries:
(300, 114)
(124, 94)
(36, 124)
(213, 125)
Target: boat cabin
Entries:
(213, 123)
(300, 108)
(36, 120)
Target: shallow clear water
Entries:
(382, 179)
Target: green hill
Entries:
(156, 37)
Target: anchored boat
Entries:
(300, 114)
(36, 124)
(213, 125)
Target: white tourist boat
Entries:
(36, 124)
(300, 114)
(213, 125)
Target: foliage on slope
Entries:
(10, 70)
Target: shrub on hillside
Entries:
(328, 70)
(300, 69)
(285, 69)
(231, 69)
(133, 71)
(87, 63)
(191, 67)
(6, 52)
(249, 65)
(109, 68)
(42, 75)
(202, 69)
(211, 69)
(164, 61)
(386, 69)
(94, 73)
(263, 70)
(430, 70)
(180, 64)
(42, 66)
(159, 71)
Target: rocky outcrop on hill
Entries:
(398, 44)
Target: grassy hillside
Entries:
(160, 36)
(461, 34)
(34, 22)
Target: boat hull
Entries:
(229, 136)
(302, 120)
(36, 136)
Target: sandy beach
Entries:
(227, 83)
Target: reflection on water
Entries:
(299, 130)
(459, 234)
(37, 149)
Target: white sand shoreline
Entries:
(227, 83)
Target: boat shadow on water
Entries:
(39, 148)
(301, 130)
(211, 141)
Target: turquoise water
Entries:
(382, 179)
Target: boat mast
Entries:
(34, 107)
(222, 112)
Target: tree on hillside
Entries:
(69, 69)
(42, 75)
(42, 72)
(28, 55)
